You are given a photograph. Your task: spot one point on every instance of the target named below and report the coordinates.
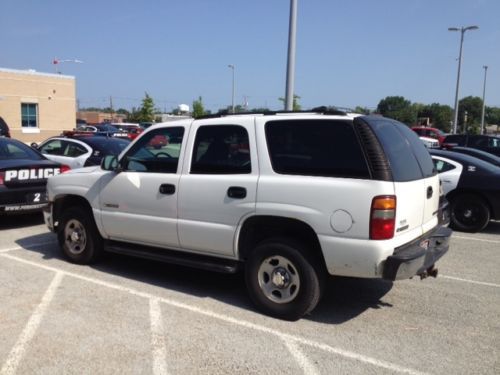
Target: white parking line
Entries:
(470, 281)
(475, 239)
(17, 352)
(157, 338)
(27, 246)
(242, 323)
(303, 361)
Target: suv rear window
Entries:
(408, 157)
(315, 148)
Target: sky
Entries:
(348, 53)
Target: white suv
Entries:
(289, 197)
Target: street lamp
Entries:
(485, 67)
(231, 66)
(462, 32)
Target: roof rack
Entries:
(319, 110)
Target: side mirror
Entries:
(110, 163)
(34, 145)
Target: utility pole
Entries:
(290, 70)
(485, 67)
(111, 107)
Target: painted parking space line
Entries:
(27, 246)
(306, 365)
(470, 281)
(228, 319)
(19, 349)
(475, 239)
(157, 338)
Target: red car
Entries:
(435, 133)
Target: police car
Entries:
(472, 186)
(23, 177)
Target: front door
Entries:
(139, 204)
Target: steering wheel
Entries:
(163, 155)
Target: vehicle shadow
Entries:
(343, 300)
(492, 228)
(20, 221)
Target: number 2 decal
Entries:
(37, 197)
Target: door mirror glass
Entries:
(109, 163)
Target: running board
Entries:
(174, 257)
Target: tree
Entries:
(469, 114)
(362, 110)
(295, 106)
(147, 111)
(398, 108)
(492, 115)
(440, 115)
(198, 109)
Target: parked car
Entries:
(472, 186)
(290, 198)
(428, 132)
(23, 177)
(430, 142)
(488, 143)
(4, 128)
(483, 155)
(80, 151)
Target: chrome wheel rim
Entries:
(75, 237)
(279, 279)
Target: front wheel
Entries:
(282, 281)
(79, 237)
(469, 213)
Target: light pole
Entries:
(462, 32)
(290, 68)
(485, 67)
(231, 66)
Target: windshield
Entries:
(11, 149)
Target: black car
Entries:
(23, 177)
(483, 155)
(80, 151)
(4, 128)
(472, 186)
(488, 143)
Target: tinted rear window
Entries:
(408, 157)
(315, 148)
(108, 146)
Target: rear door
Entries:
(415, 181)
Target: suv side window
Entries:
(157, 152)
(221, 149)
(315, 148)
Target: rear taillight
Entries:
(64, 168)
(383, 217)
(2, 174)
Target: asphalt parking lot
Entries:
(127, 316)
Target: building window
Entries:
(29, 115)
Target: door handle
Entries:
(429, 192)
(167, 189)
(237, 192)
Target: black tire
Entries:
(79, 237)
(469, 213)
(301, 276)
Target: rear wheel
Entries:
(79, 237)
(282, 281)
(469, 213)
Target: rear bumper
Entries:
(417, 257)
